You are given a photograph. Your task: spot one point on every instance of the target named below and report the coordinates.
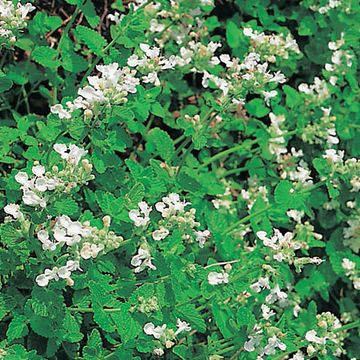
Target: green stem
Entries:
(353, 325)
(59, 48)
(312, 187)
(225, 153)
(26, 100)
(91, 310)
(239, 170)
(179, 139)
(245, 219)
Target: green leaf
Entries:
(5, 83)
(163, 143)
(126, 326)
(46, 57)
(93, 40)
(17, 328)
(157, 110)
(293, 98)
(73, 62)
(72, 328)
(93, 349)
(257, 108)
(189, 313)
(66, 206)
(233, 34)
(88, 10)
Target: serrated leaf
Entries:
(46, 57)
(17, 328)
(257, 108)
(66, 206)
(163, 143)
(93, 40)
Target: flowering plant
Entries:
(179, 179)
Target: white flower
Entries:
(151, 78)
(32, 199)
(43, 236)
(254, 341)
(141, 217)
(160, 234)
(202, 237)
(262, 283)
(269, 95)
(151, 53)
(68, 231)
(170, 205)
(215, 278)
(38, 170)
(22, 178)
(347, 264)
(90, 250)
(142, 260)
(59, 110)
(277, 295)
(298, 356)
(92, 95)
(71, 154)
(312, 337)
(273, 343)
(156, 331)
(182, 326)
(267, 312)
(43, 279)
(295, 215)
(116, 17)
(14, 211)
(334, 156)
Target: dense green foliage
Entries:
(179, 179)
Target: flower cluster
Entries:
(284, 248)
(174, 216)
(35, 188)
(271, 46)
(351, 272)
(164, 335)
(111, 87)
(85, 241)
(13, 18)
(327, 331)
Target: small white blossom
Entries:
(312, 337)
(215, 278)
(182, 326)
(156, 331)
(160, 234)
(202, 237)
(142, 260)
(141, 216)
(170, 205)
(14, 211)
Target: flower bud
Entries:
(88, 114)
(227, 268)
(69, 282)
(106, 221)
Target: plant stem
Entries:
(245, 219)
(353, 325)
(225, 153)
(222, 263)
(59, 48)
(239, 170)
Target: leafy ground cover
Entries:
(179, 179)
